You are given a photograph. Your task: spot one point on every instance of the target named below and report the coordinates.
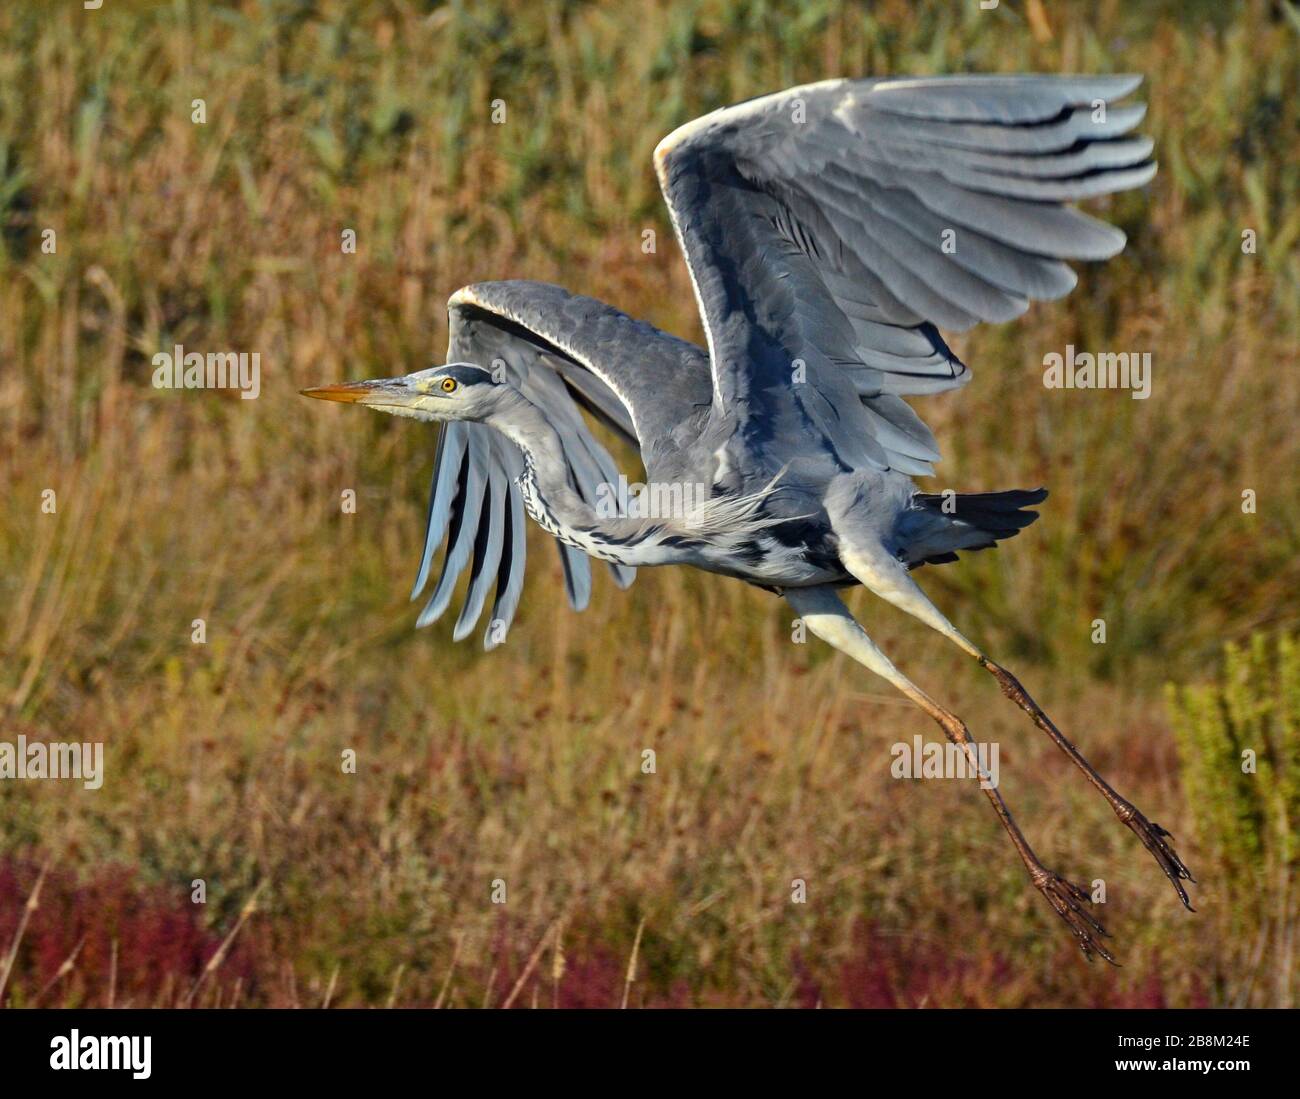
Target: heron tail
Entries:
(938, 524)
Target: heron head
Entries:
(457, 391)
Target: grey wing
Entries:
(837, 225)
(567, 354)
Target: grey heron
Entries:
(829, 232)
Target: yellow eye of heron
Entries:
(449, 385)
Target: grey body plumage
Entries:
(829, 231)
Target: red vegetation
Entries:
(161, 941)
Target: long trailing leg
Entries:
(825, 614)
(889, 579)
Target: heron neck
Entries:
(555, 504)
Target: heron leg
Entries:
(825, 614)
(889, 579)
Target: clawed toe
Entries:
(1155, 839)
(1068, 899)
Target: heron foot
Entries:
(1156, 840)
(1068, 900)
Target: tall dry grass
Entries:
(525, 765)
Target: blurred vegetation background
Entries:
(1239, 742)
(773, 759)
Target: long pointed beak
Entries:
(348, 392)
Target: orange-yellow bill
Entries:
(349, 392)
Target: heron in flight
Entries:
(830, 232)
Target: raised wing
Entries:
(566, 353)
(835, 225)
